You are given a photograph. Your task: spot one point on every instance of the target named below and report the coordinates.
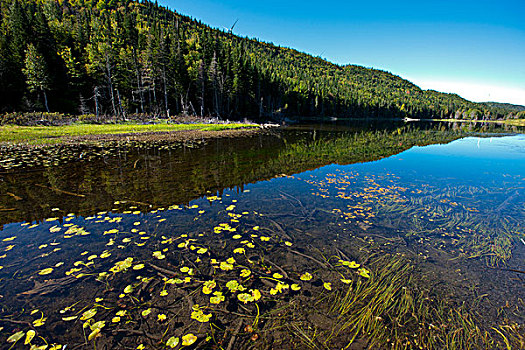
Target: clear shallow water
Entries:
(437, 232)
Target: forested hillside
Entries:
(121, 57)
(505, 106)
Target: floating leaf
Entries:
(200, 316)
(29, 336)
(217, 299)
(88, 314)
(327, 285)
(295, 287)
(225, 266)
(245, 298)
(234, 286)
(71, 318)
(15, 337)
(46, 271)
(188, 339)
(245, 273)
(279, 288)
(146, 312)
(306, 276)
(350, 264)
(239, 251)
(277, 275)
(208, 287)
(138, 267)
(159, 255)
(161, 317)
(173, 342)
(99, 325)
(364, 272)
(128, 289)
(40, 322)
(94, 333)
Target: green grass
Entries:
(57, 134)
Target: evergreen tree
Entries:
(36, 73)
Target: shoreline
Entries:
(62, 148)
(92, 134)
(514, 122)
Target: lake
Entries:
(318, 236)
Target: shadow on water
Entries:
(356, 238)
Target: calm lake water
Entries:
(308, 236)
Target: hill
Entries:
(505, 106)
(122, 57)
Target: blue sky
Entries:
(473, 48)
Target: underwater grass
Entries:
(389, 311)
(55, 134)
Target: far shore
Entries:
(515, 122)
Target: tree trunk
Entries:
(120, 106)
(165, 93)
(110, 83)
(95, 96)
(45, 100)
(140, 88)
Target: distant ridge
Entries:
(122, 57)
(506, 106)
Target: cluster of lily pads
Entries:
(142, 271)
(19, 157)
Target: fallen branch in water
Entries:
(280, 229)
(17, 322)
(277, 267)
(234, 337)
(309, 257)
(61, 191)
(49, 286)
(161, 269)
(510, 270)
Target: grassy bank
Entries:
(35, 135)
